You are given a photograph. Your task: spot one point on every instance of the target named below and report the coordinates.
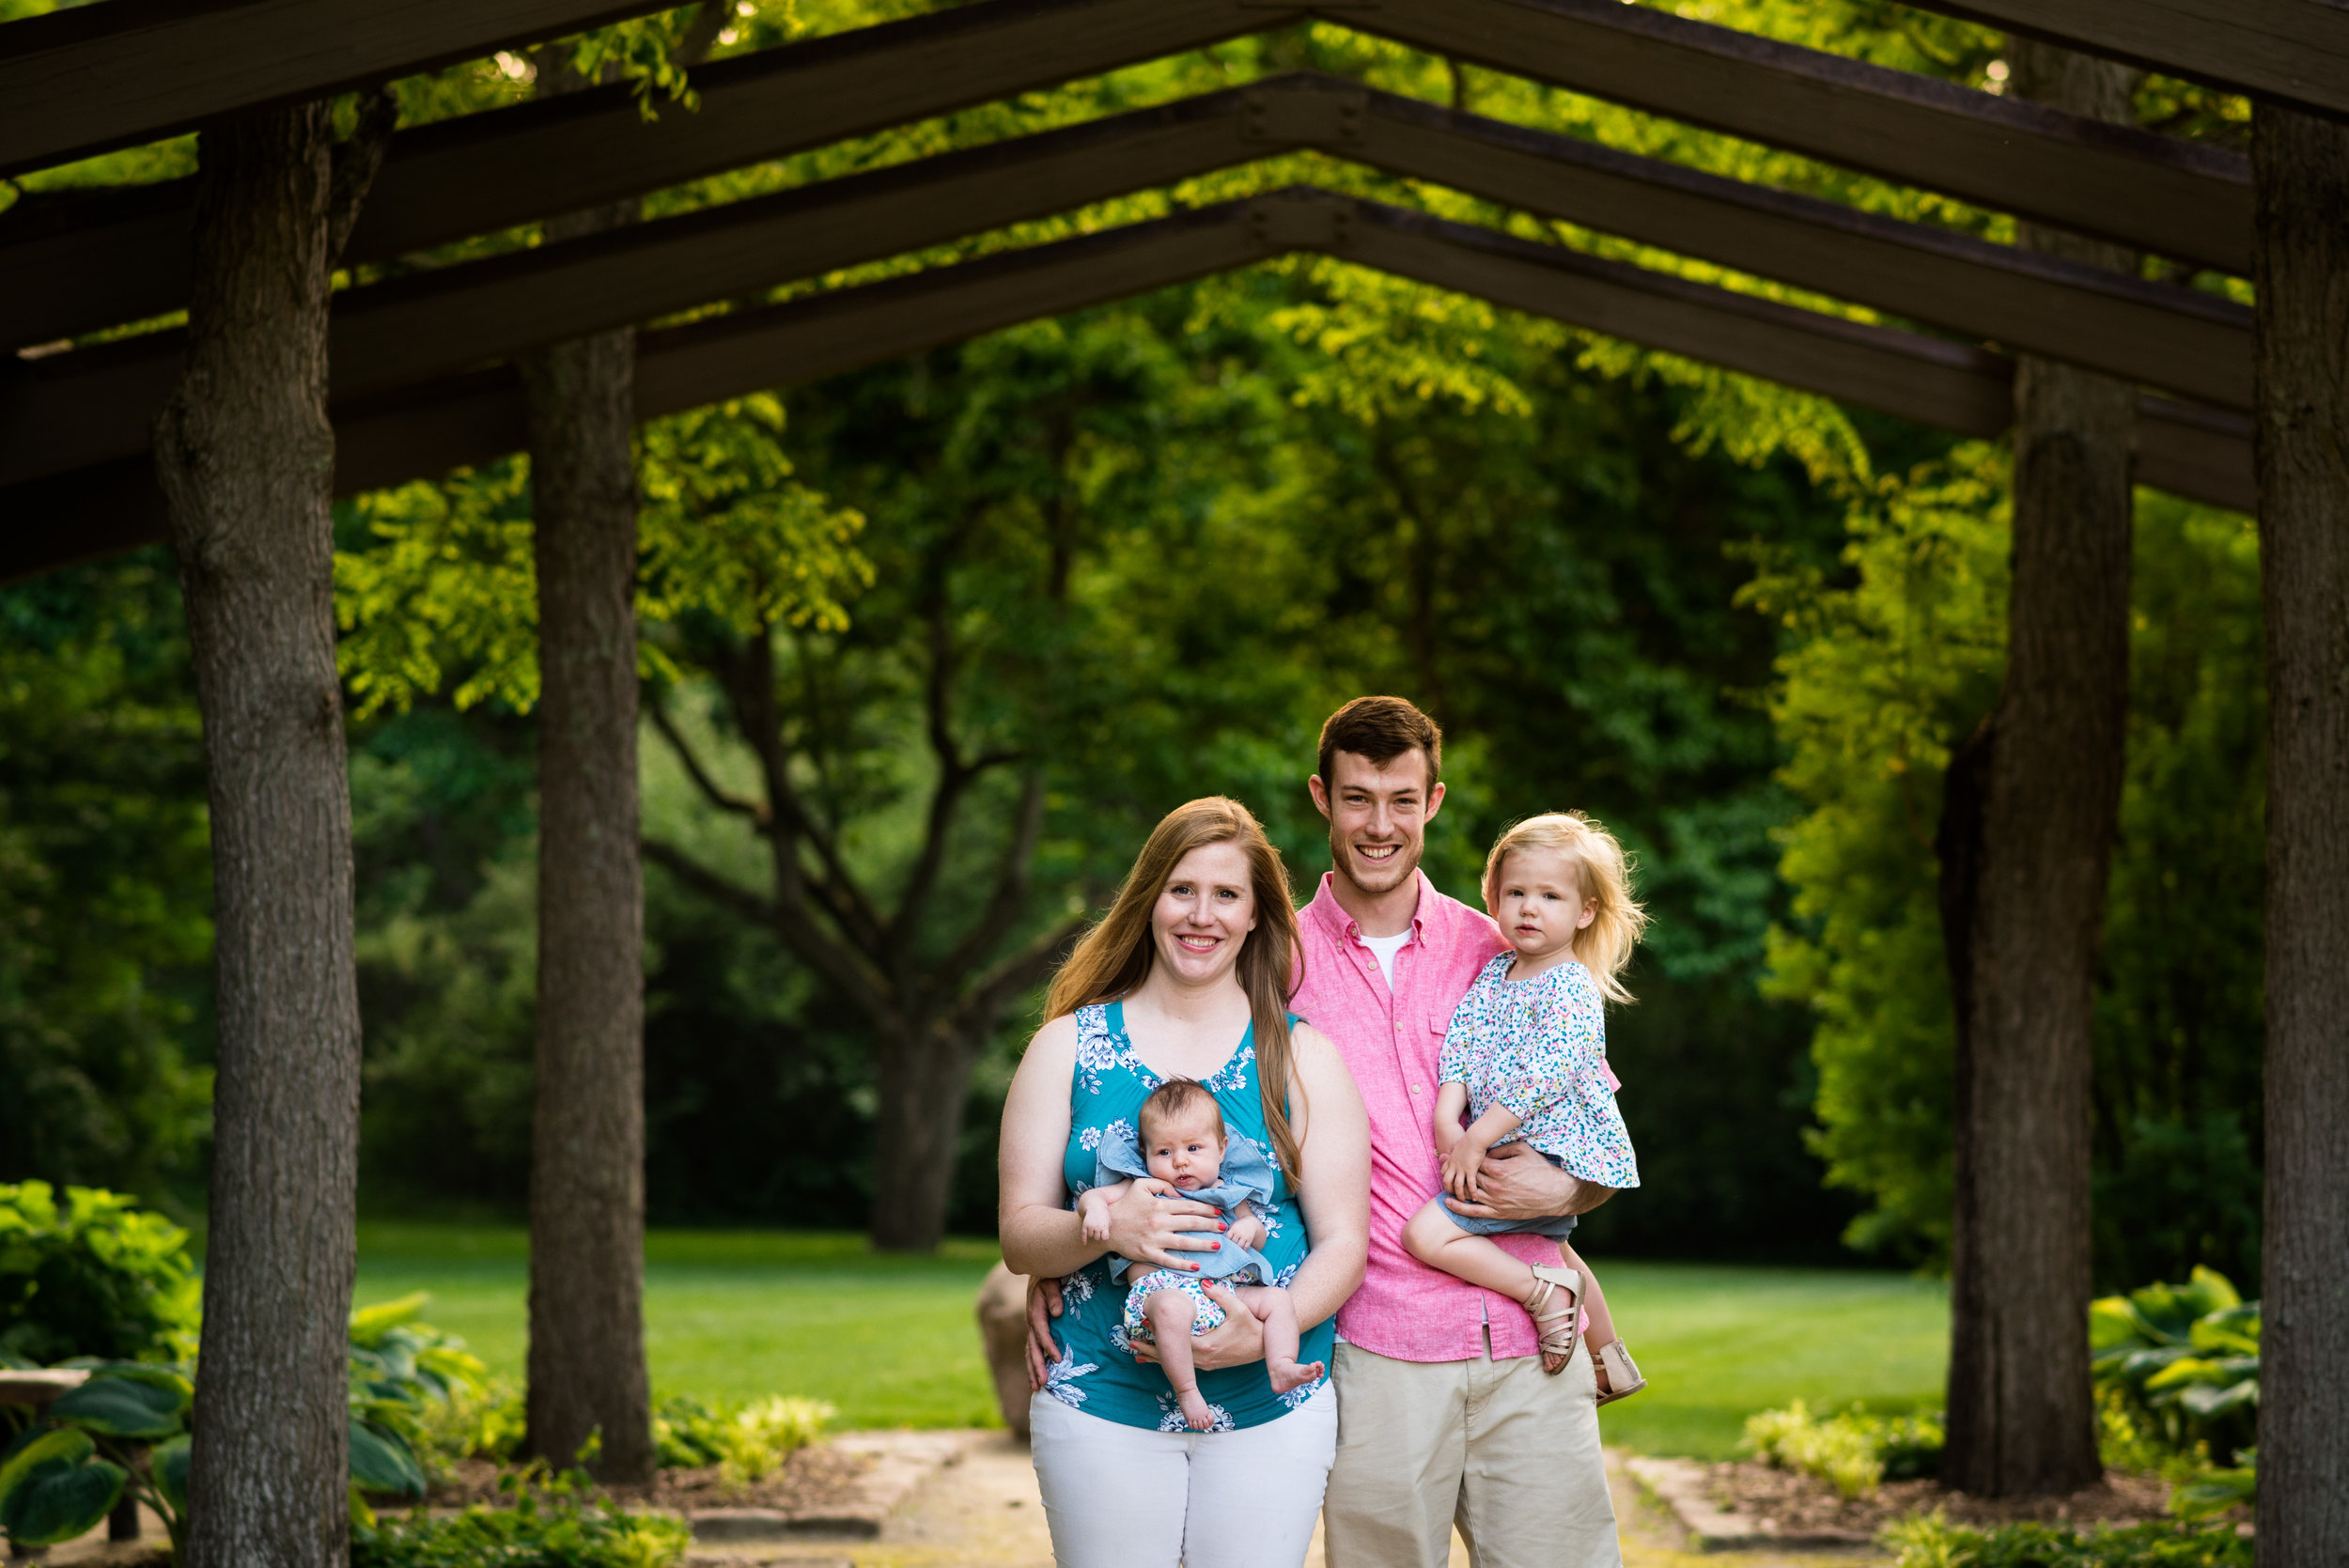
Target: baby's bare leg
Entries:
(1169, 1313)
(1278, 1313)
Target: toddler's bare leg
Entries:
(1169, 1313)
(1278, 1313)
(1594, 1303)
(1436, 1241)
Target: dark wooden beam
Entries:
(2191, 341)
(93, 78)
(474, 417)
(2161, 194)
(93, 405)
(2294, 51)
(75, 262)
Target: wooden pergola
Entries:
(421, 370)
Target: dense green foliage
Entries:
(95, 1276)
(1895, 664)
(1930, 1542)
(1853, 1450)
(105, 885)
(1151, 544)
(546, 1524)
(2179, 1366)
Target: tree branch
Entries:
(1011, 888)
(789, 922)
(355, 165)
(984, 1003)
(711, 790)
(954, 774)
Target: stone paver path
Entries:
(983, 1511)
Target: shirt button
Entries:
(1415, 1087)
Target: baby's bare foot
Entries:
(1293, 1374)
(1195, 1412)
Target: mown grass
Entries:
(731, 1314)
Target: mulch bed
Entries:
(813, 1478)
(1801, 1503)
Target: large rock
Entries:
(1002, 1307)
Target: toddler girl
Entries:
(1525, 1058)
(1183, 1144)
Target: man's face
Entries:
(1378, 816)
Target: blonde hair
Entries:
(1602, 873)
(1114, 958)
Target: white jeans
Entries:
(1126, 1496)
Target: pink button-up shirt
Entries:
(1392, 1039)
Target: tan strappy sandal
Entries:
(1623, 1372)
(1557, 1344)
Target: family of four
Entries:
(1295, 1188)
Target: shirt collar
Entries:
(1326, 908)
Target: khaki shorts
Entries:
(1500, 1449)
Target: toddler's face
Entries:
(1540, 905)
(1184, 1150)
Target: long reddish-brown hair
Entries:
(1114, 958)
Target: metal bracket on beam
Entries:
(1303, 116)
(1281, 222)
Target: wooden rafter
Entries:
(92, 78)
(2161, 194)
(77, 264)
(476, 417)
(2293, 51)
(94, 405)
(71, 267)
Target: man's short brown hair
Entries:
(1382, 729)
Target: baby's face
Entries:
(1184, 1150)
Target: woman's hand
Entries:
(1155, 1224)
(1233, 1343)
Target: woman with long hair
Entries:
(1186, 977)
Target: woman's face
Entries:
(1203, 914)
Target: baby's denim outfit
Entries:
(1246, 1176)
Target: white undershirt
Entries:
(1384, 948)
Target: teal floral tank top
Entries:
(1096, 1371)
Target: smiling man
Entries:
(1444, 1414)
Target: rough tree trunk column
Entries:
(2033, 806)
(587, 1373)
(917, 1135)
(246, 459)
(2300, 170)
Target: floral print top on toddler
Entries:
(1096, 1371)
(1539, 1048)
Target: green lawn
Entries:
(890, 1341)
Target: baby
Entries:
(1526, 1059)
(1183, 1144)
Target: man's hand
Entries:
(1234, 1342)
(1043, 1306)
(1518, 1184)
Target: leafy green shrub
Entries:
(1855, 1452)
(541, 1526)
(99, 1278)
(411, 1380)
(751, 1442)
(2180, 1364)
(1932, 1542)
